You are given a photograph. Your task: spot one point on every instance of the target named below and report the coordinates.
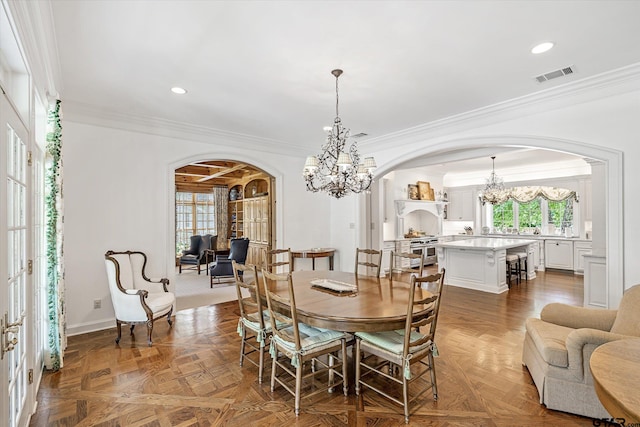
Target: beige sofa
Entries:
(558, 346)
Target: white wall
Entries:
(118, 195)
(117, 188)
(599, 119)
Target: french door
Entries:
(16, 296)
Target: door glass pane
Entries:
(16, 208)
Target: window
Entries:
(532, 214)
(561, 214)
(529, 214)
(503, 215)
(195, 214)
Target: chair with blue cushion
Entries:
(296, 347)
(254, 322)
(399, 356)
(237, 252)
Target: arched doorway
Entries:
(226, 198)
(609, 196)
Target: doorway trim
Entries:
(221, 155)
(612, 160)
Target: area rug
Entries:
(194, 290)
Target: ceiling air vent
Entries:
(554, 74)
(359, 135)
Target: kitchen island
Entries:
(480, 263)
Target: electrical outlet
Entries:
(97, 303)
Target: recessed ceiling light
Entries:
(541, 48)
(178, 90)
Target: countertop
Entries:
(485, 243)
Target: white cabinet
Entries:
(558, 254)
(580, 249)
(461, 205)
(387, 247)
(405, 247)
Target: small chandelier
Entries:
(336, 171)
(494, 186)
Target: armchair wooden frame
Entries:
(143, 295)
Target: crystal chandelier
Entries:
(335, 171)
(494, 186)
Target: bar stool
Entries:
(523, 257)
(513, 268)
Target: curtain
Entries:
(57, 340)
(527, 194)
(221, 201)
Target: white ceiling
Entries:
(262, 68)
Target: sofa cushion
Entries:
(550, 340)
(628, 319)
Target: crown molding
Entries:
(90, 114)
(35, 27)
(615, 82)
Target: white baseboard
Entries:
(83, 328)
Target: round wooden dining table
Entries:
(374, 305)
(615, 367)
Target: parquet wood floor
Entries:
(191, 375)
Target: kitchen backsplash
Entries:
(456, 227)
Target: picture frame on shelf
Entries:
(413, 192)
(424, 190)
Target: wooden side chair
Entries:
(278, 261)
(294, 344)
(369, 258)
(254, 325)
(405, 349)
(398, 262)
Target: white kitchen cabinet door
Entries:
(580, 249)
(558, 254)
(387, 247)
(460, 206)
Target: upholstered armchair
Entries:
(136, 298)
(558, 346)
(237, 252)
(196, 255)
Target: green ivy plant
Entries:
(53, 185)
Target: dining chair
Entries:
(293, 344)
(404, 349)
(400, 263)
(275, 261)
(369, 258)
(254, 322)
